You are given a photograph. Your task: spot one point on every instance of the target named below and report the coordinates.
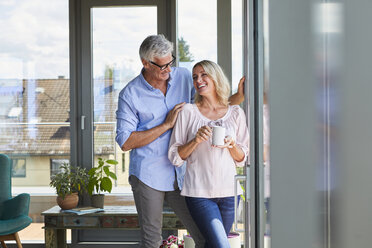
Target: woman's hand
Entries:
(241, 86)
(238, 97)
(229, 142)
(235, 151)
(203, 134)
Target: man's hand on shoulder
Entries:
(172, 115)
(141, 138)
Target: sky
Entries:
(34, 42)
(34, 39)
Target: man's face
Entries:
(154, 71)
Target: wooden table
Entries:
(57, 222)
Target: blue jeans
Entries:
(214, 217)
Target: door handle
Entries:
(82, 122)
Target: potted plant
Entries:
(100, 180)
(68, 183)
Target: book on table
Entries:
(83, 210)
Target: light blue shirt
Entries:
(142, 107)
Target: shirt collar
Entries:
(143, 80)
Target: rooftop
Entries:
(34, 117)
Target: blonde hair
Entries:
(221, 83)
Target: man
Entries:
(147, 110)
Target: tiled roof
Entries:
(47, 103)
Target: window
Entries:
(18, 167)
(55, 165)
(115, 63)
(34, 97)
(197, 31)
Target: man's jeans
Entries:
(149, 204)
(214, 217)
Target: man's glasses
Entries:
(163, 67)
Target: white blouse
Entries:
(210, 170)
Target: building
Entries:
(35, 129)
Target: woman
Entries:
(209, 179)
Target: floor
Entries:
(40, 202)
(35, 234)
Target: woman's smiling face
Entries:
(202, 82)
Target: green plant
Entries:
(183, 51)
(240, 171)
(70, 180)
(242, 195)
(100, 176)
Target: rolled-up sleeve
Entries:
(242, 137)
(126, 119)
(178, 138)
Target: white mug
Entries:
(218, 136)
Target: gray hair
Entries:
(155, 46)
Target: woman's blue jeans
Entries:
(214, 217)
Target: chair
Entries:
(13, 211)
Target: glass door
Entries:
(106, 37)
(258, 174)
(108, 43)
(221, 35)
(34, 101)
(117, 33)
